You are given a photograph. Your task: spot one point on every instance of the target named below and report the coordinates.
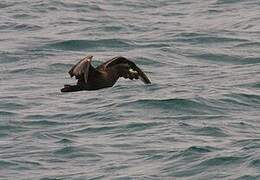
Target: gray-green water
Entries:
(199, 119)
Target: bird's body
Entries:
(103, 76)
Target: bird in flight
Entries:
(104, 75)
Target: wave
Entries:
(248, 45)
(58, 67)
(73, 152)
(45, 116)
(197, 150)
(6, 4)
(220, 161)
(242, 100)
(210, 131)
(102, 44)
(198, 169)
(50, 69)
(29, 71)
(197, 38)
(7, 113)
(12, 105)
(89, 45)
(218, 2)
(248, 177)
(115, 129)
(6, 57)
(98, 129)
(190, 106)
(226, 58)
(42, 123)
(7, 164)
(22, 27)
(247, 144)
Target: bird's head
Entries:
(88, 58)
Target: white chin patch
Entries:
(132, 71)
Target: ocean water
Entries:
(199, 119)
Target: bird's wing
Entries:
(126, 69)
(81, 69)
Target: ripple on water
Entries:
(220, 58)
(242, 99)
(220, 161)
(58, 67)
(197, 38)
(210, 164)
(46, 116)
(6, 4)
(25, 27)
(210, 131)
(133, 127)
(6, 57)
(248, 177)
(12, 105)
(42, 123)
(28, 71)
(177, 105)
(247, 144)
(7, 114)
(192, 153)
(248, 45)
(255, 163)
(4, 164)
(65, 141)
(96, 129)
(89, 45)
(199, 150)
(71, 152)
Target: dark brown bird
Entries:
(103, 76)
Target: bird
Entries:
(104, 75)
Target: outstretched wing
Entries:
(81, 69)
(126, 69)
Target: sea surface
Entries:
(199, 119)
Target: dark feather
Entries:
(127, 68)
(105, 75)
(81, 69)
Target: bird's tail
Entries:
(71, 88)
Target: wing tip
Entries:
(143, 76)
(145, 80)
